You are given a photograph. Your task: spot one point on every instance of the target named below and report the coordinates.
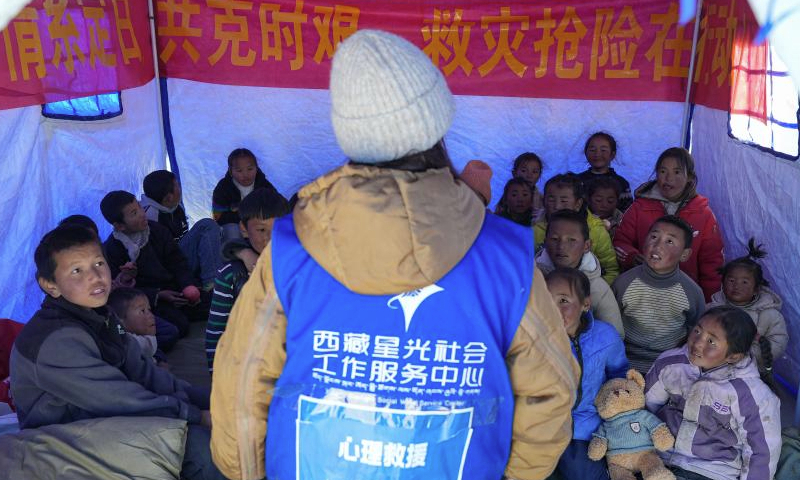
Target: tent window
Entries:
(94, 107)
(775, 130)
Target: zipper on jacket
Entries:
(576, 344)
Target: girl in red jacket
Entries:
(673, 193)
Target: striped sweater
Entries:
(657, 311)
(231, 277)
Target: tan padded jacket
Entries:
(385, 231)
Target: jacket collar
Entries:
(744, 368)
(381, 231)
(94, 317)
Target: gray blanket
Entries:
(104, 448)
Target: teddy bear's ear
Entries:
(636, 377)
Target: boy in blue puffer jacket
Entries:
(601, 355)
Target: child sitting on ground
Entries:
(257, 212)
(72, 360)
(166, 333)
(673, 193)
(132, 309)
(603, 194)
(565, 191)
(162, 272)
(528, 166)
(726, 421)
(600, 150)
(567, 245)
(744, 286)
(516, 202)
(243, 176)
(659, 303)
(161, 202)
(601, 355)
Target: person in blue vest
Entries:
(392, 329)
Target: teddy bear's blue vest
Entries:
(402, 386)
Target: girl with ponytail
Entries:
(744, 286)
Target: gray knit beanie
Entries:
(388, 99)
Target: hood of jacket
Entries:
(380, 231)
(765, 299)
(589, 264)
(147, 203)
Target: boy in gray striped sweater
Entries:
(659, 303)
(257, 213)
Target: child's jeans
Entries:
(202, 246)
(230, 231)
(575, 464)
(197, 463)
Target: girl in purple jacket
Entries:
(725, 419)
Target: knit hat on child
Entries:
(388, 99)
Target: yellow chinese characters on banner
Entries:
(59, 49)
(613, 49)
(232, 33)
(54, 35)
(607, 49)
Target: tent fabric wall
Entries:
(290, 132)
(754, 194)
(55, 168)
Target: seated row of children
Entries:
(617, 238)
(600, 150)
(708, 391)
(93, 349)
(651, 306)
(174, 267)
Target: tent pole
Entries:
(161, 136)
(684, 140)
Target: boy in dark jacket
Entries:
(72, 361)
(162, 272)
(257, 212)
(201, 244)
(243, 176)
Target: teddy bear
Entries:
(629, 433)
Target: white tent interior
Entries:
(54, 168)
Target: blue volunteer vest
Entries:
(408, 386)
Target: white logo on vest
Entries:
(636, 427)
(410, 301)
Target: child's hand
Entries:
(173, 297)
(126, 276)
(249, 257)
(129, 268)
(123, 280)
(191, 294)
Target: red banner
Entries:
(611, 50)
(60, 49)
(614, 49)
(731, 71)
